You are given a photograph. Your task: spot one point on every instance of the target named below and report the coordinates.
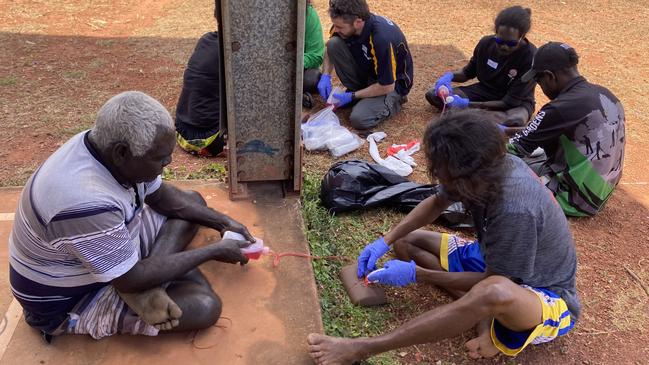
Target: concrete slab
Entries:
(5, 291)
(9, 199)
(8, 203)
(270, 310)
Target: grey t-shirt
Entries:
(524, 235)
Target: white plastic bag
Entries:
(319, 129)
(394, 164)
(323, 131)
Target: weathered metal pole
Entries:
(263, 53)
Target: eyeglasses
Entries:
(511, 44)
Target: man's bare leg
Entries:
(421, 246)
(424, 248)
(154, 306)
(515, 307)
(201, 307)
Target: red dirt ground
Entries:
(62, 60)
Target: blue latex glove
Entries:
(395, 273)
(324, 86)
(370, 254)
(445, 80)
(459, 102)
(343, 99)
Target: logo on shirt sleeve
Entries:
(387, 20)
(364, 48)
(533, 126)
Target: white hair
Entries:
(131, 117)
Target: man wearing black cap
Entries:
(581, 131)
(498, 62)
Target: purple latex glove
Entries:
(343, 99)
(458, 102)
(324, 86)
(445, 80)
(370, 254)
(395, 273)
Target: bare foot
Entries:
(327, 350)
(154, 307)
(481, 347)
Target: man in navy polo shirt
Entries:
(372, 60)
(498, 62)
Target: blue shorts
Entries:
(458, 255)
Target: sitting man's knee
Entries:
(209, 308)
(334, 44)
(311, 78)
(493, 291)
(360, 120)
(433, 99)
(402, 249)
(517, 118)
(196, 197)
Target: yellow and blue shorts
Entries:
(458, 255)
(210, 146)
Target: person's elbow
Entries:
(126, 283)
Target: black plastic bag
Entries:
(355, 184)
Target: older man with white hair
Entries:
(98, 242)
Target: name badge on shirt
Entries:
(493, 64)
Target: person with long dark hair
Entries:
(515, 282)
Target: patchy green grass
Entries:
(8, 80)
(19, 177)
(74, 74)
(106, 42)
(98, 62)
(212, 171)
(343, 235)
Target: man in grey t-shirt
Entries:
(515, 284)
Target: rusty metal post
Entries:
(263, 44)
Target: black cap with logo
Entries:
(552, 56)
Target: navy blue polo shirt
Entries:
(501, 74)
(382, 52)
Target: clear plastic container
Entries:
(332, 99)
(254, 251)
(346, 148)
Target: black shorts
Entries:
(479, 93)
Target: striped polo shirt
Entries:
(76, 229)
